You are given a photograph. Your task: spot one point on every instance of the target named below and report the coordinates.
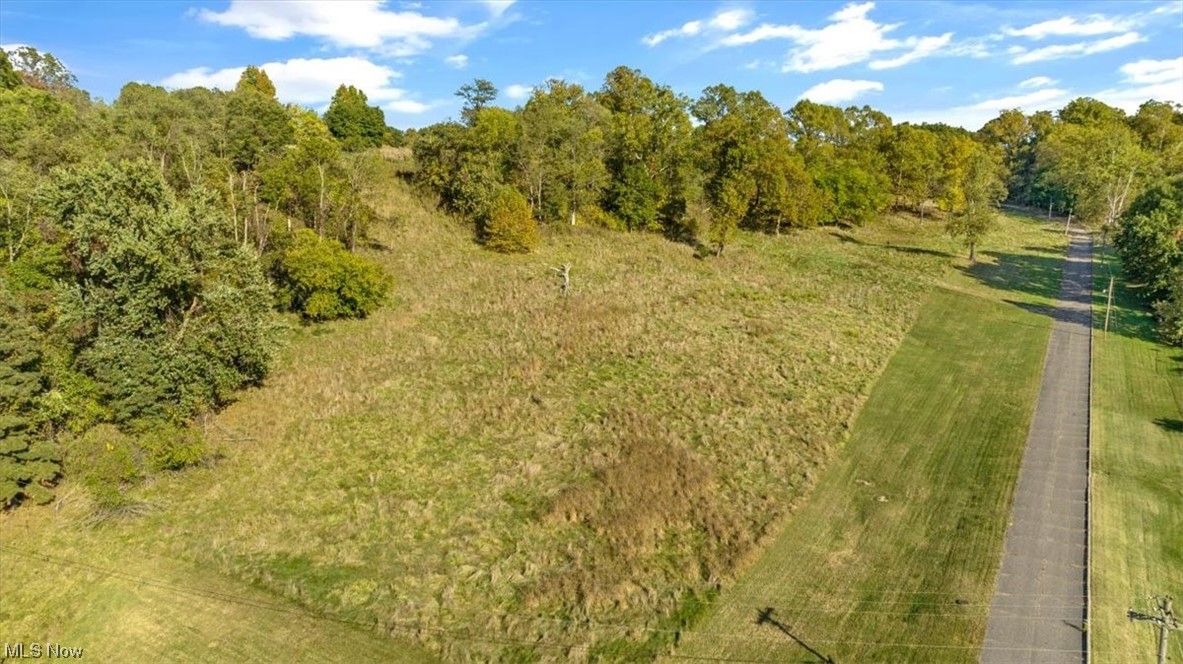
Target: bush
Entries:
(106, 460)
(1170, 311)
(321, 280)
(593, 215)
(173, 448)
(509, 228)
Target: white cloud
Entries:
(1075, 50)
(498, 7)
(1169, 8)
(732, 19)
(922, 48)
(356, 24)
(973, 116)
(840, 90)
(1160, 80)
(301, 80)
(459, 61)
(850, 37)
(1038, 82)
(407, 106)
(1153, 71)
(763, 32)
(724, 21)
(1039, 100)
(517, 91)
(1067, 25)
(688, 29)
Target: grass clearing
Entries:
(1137, 428)
(487, 468)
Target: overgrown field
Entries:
(1137, 431)
(485, 466)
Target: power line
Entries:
(465, 636)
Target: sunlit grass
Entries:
(485, 466)
(1137, 426)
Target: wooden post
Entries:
(1108, 306)
(1049, 209)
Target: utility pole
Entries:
(1165, 621)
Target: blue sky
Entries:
(956, 62)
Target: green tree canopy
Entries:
(42, 70)
(1150, 237)
(255, 79)
(476, 95)
(353, 122)
(981, 182)
(165, 318)
(256, 123)
(9, 79)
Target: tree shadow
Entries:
(850, 239)
(1041, 309)
(1170, 424)
(764, 617)
(1044, 250)
(1129, 314)
(1030, 274)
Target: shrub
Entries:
(509, 227)
(1169, 311)
(105, 458)
(594, 215)
(321, 280)
(173, 447)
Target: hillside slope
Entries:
(485, 466)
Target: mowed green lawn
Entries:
(1137, 430)
(893, 558)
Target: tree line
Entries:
(148, 246)
(636, 156)
(149, 243)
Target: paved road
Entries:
(1039, 603)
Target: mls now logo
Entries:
(38, 650)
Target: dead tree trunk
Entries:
(564, 272)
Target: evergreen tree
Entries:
(162, 315)
(30, 463)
